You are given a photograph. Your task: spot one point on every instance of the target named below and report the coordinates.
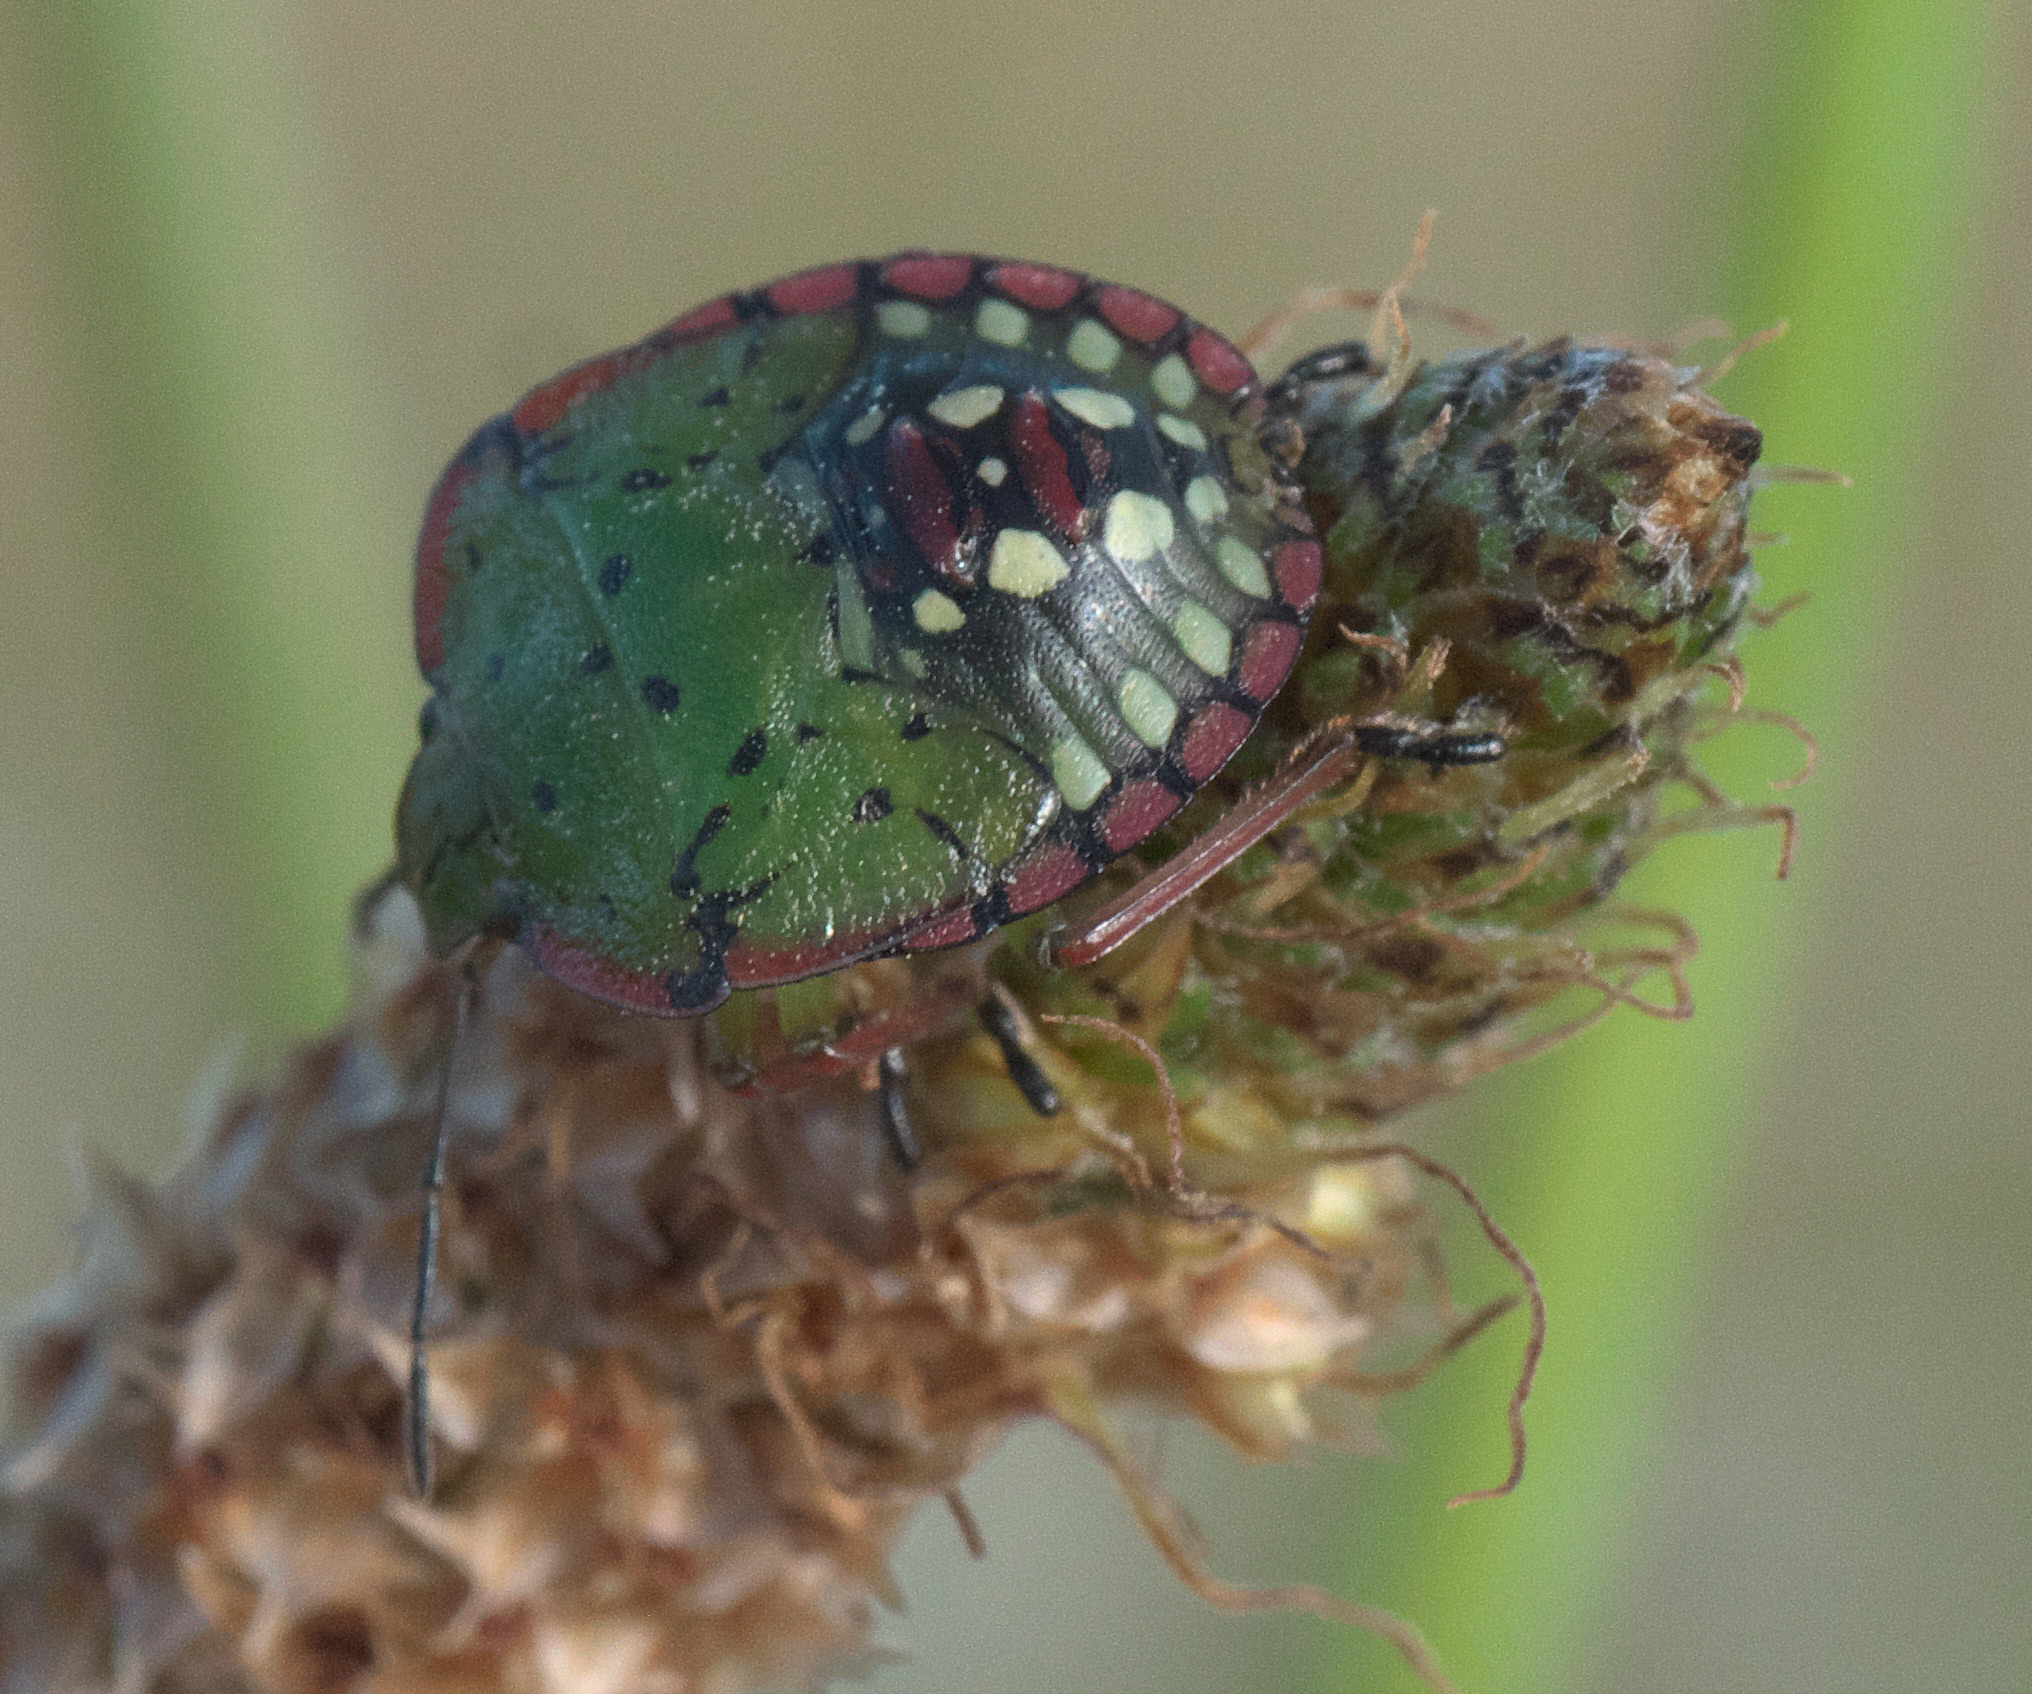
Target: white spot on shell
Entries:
(1206, 499)
(904, 318)
(1078, 771)
(992, 471)
(965, 407)
(1138, 526)
(939, 613)
(1147, 708)
(1093, 347)
(1001, 323)
(1173, 383)
(1182, 430)
(1096, 406)
(1206, 641)
(1243, 566)
(864, 427)
(1026, 564)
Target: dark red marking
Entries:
(921, 497)
(946, 932)
(702, 321)
(1042, 877)
(816, 291)
(1298, 570)
(1222, 366)
(541, 408)
(1267, 658)
(433, 574)
(1042, 464)
(1141, 807)
(1137, 315)
(578, 966)
(1042, 286)
(1211, 739)
(930, 276)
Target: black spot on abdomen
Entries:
(660, 694)
(873, 806)
(614, 574)
(749, 755)
(643, 479)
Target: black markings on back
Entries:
(598, 658)
(684, 880)
(699, 461)
(917, 728)
(496, 664)
(660, 694)
(873, 806)
(474, 558)
(614, 574)
(543, 797)
(808, 732)
(820, 549)
(718, 397)
(945, 832)
(644, 478)
(749, 755)
(792, 403)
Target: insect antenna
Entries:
(417, 1425)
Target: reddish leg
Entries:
(1180, 876)
(778, 1071)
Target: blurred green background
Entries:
(263, 265)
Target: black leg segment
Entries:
(1024, 1071)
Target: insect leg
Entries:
(1000, 1023)
(1175, 881)
(893, 1069)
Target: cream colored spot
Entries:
(1147, 708)
(1025, 564)
(902, 317)
(1206, 499)
(1243, 566)
(965, 407)
(913, 662)
(1001, 323)
(1078, 771)
(940, 614)
(1094, 406)
(1173, 383)
(857, 627)
(1138, 525)
(993, 471)
(1092, 347)
(864, 427)
(1183, 430)
(1205, 639)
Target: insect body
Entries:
(860, 613)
